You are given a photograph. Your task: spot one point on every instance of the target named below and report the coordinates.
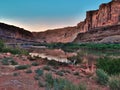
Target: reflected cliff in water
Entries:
(53, 54)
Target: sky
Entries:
(41, 15)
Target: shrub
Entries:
(15, 51)
(114, 82)
(1, 45)
(71, 47)
(64, 71)
(111, 66)
(40, 84)
(59, 73)
(5, 61)
(36, 77)
(68, 85)
(100, 46)
(49, 79)
(102, 77)
(28, 71)
(62, 84)
(52, 63)
(35, 64)
(55, 64)
(11, 50)
(46, 68)
(21, 67)
(78, 58)
(76, 73)
(81, 87)
(67, 71)
(8, 61)
(39, 72)
(14, 62)
(15, 74)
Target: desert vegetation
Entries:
(80, 74)
(70, 47)
(5, 49)
(108, 72)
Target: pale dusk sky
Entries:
(40, 15)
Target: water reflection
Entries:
(53, 54)
(64, 60)
(82, 56)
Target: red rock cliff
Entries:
(64, 35)
(108, 14)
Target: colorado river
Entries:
(55, 54)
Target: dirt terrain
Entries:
(12, 79)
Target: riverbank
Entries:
(46, 70)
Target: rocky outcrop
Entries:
(111, 39)
(99, 34)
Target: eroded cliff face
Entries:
(63, 35)
(99, 34)
(107, 15)
(101, 23)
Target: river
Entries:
(52, 54)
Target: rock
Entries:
(24, 57)
(8, 54)
(111, 39)
(1, 56)
(100, 34)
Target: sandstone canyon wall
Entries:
(100, 23)
(107, 15)
(63, 35)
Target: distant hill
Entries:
(10, 33)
